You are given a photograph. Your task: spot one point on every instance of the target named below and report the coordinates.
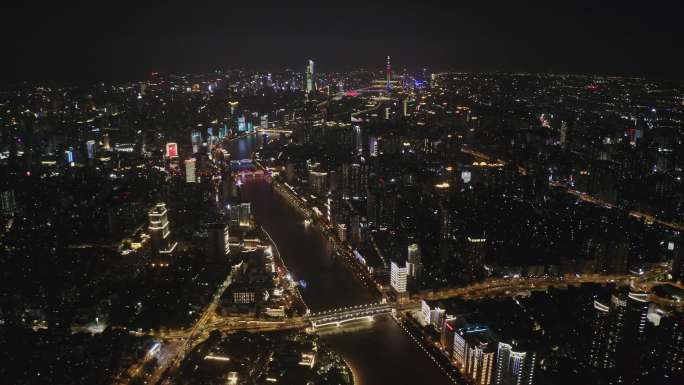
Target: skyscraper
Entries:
(414, 263)
(389, 74)
(600, 325)
(8, 205)
(159, 229)
(196, 140)
(398, 276)
(309, 76)
(475, 253)
(218, 246)
(318, 181)
(673, 344)
(678, 261)
(479, 349)
(514, 366)
(190, 170)
(619, 336)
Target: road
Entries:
(649, 218)
(175, 353)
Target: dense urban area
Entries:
(375, 226)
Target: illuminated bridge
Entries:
(348, 314)
(244, 169)
(274, 130)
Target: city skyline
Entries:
(91, 43)
(352, 194)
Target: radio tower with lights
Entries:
(389, 74)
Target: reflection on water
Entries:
(307, 253)
(378, 352)
(383, 354)
(345, 329)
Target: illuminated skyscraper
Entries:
(190, 170)
(318, 181)
(373, 146)
(673, 344)
(473, 351)
(619, 336)
(474, 257)
(240, 214)
(414, 263)
(389, 74)
(91, 147)
(601, 322)
(309, 76)
(8, 205)
(159, 229)
(678, 262)
(514, 366)
(196, 140)
(480, 349)
(398, 276)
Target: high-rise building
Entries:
(318, 181)
(91, 148)
(388, 70)
(190, 170)
(514, 366)
(8, 205)
(309, 76)
(218, 237)
(474, 349)
(196, 140)
(600, 325)
(447, 336)
(619, 334)
(373, 146)
(244, 214)
(673, 347)
(678, 261)
(342, 232)
(160, 230)
(398, 277)
(474, 257)
(563, 133)
(414, 261)
(479, 357)
(352, 180)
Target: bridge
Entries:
(244, 169)
(274, 130)
(340, 316)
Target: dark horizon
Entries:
(78, 42)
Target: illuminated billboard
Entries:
(171, 150)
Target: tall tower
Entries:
(619, 332)
(389, 74)
(309, 76)
(513, 365)
(414, 263)
(159, 230)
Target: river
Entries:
(380, 352)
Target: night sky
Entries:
(71, 41)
